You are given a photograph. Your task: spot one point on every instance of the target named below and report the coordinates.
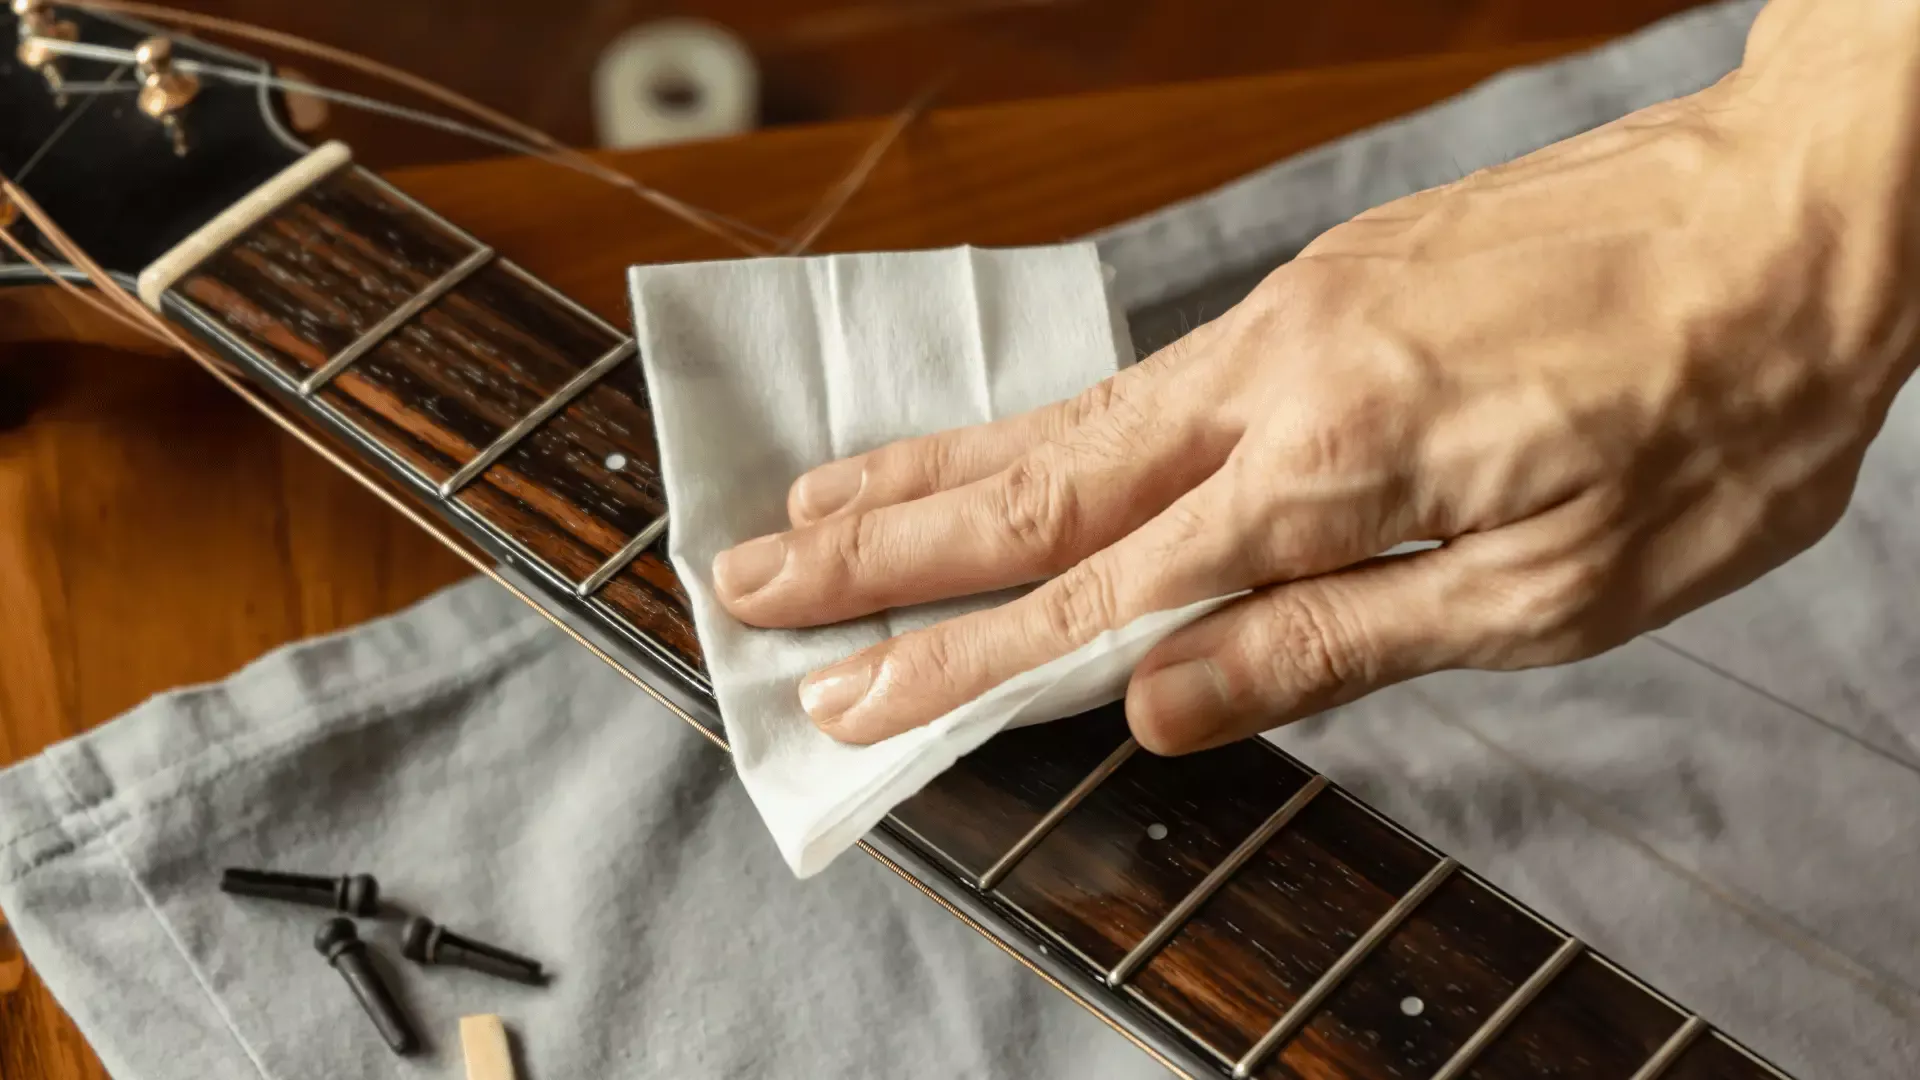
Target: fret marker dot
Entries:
(1412, 1006)
(1156, 831)
(616, 461)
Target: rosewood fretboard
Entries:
(1231, 910)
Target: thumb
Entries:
(1293, 650)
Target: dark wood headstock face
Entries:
(108, 173)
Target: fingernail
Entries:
(830, 487)
(1192, 688)
(828, 694)
(745, 569)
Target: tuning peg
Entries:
(164, 90)
(39, 25)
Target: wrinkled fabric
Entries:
(1727, 807)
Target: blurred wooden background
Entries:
(839, 59)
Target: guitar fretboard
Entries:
(1233, 902)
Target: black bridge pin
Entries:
(355, 894)
(340, 943)
(427, 942)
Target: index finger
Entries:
(914, 678)
(925, 465)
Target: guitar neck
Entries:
(1232, 911)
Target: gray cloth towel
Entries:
(1728, 807)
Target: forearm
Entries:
(1829, 96)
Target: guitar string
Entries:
(551, 149)
(107, 290)
(92, 300)
(128, 311)
(720, 225)
(823, 215)
(351, 100)
(65, 126)
(842, 193)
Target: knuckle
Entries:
(1552, 614)
(1079, 604)
(925, 660)
(1301, 297)
(1037, 511)
(1116, 398)
(1090, 404)
(858, 545)
(1305, 647)
(1356, 429)
(939, 464)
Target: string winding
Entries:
(491, 127)
(507, 133)
(541, 144)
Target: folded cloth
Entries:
(761, 369)
(501, 780)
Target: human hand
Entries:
(1618, 378)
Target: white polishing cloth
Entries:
(761, 369)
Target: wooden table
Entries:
(154, 531)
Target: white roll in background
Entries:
(674, 80)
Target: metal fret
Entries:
(1294, 1018)
(1210, 884)
(565, 301)
(521, 272)
(1671, 1050)
(1522, 996)
(394, 320)
(1060, 809)
(641, 541)
(524, 426)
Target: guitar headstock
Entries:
(128, 158)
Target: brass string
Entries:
(842, 193)
(92, 300)
(548, 148)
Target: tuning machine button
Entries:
(164, 89)
(39, 25)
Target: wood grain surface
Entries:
(137, 499)
(318, 275)
(1105, 876)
